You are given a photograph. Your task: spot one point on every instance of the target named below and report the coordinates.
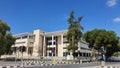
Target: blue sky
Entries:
(51, 15)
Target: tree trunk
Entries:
(71, 55)
(97, 56)
(93, 54)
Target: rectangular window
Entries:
(65, 42)
(54, 43)
(31, 37)
(65, 53)
(64, 47)
(31, 42)
(18, 38)
(24, 37)
(64, 36)
(19, 42)
(49, 43)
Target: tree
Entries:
(98, 38)
(74, 32)
(6, 38)
(119, 44)
(117, 54)
(112, 43)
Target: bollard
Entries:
(102, 64)
(54, 61)
(80, 61)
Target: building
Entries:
(45, 44)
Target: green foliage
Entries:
(116, 54)
(119, 43)
(72, 47)
(6, 39)
(98, 38)
(74, 32)
(3, 28)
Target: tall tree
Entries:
(6, 38)
(74, 32)
(98, 38)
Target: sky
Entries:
(51, 15)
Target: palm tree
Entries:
(74, 32)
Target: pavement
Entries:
(43, 64)
(84, 65)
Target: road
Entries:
(86, 65)
(8, 63)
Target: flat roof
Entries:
(23, 34)
(55, 33)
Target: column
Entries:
(44, 47)
(28, 43)
(79, 46)
(82, 54)
(52, 43)
(14, 50)
(79, 49)
(52, 40)
(61, 39)
(27, 51)
(55, 46)
(62, 44)
(28, 36)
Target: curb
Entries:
(108, 67)
(9, 66)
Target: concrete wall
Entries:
(60, 47)
(37, 48)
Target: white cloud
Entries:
(117, 19)
(111, 3)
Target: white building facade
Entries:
(46, 44)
